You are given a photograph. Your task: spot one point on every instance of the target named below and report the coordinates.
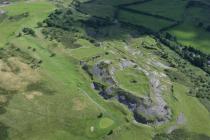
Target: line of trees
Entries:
(194, 56)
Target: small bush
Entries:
(28, 31)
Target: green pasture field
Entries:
(186, 33)
(191, 36)
(98, 10)
(173, 9)
(115, 2)
(143, 20)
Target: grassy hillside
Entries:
(169, 16)
(100, 75)
(37, 11)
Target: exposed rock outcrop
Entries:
(145, 110)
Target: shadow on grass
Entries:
(40, 86)
(4, 132)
